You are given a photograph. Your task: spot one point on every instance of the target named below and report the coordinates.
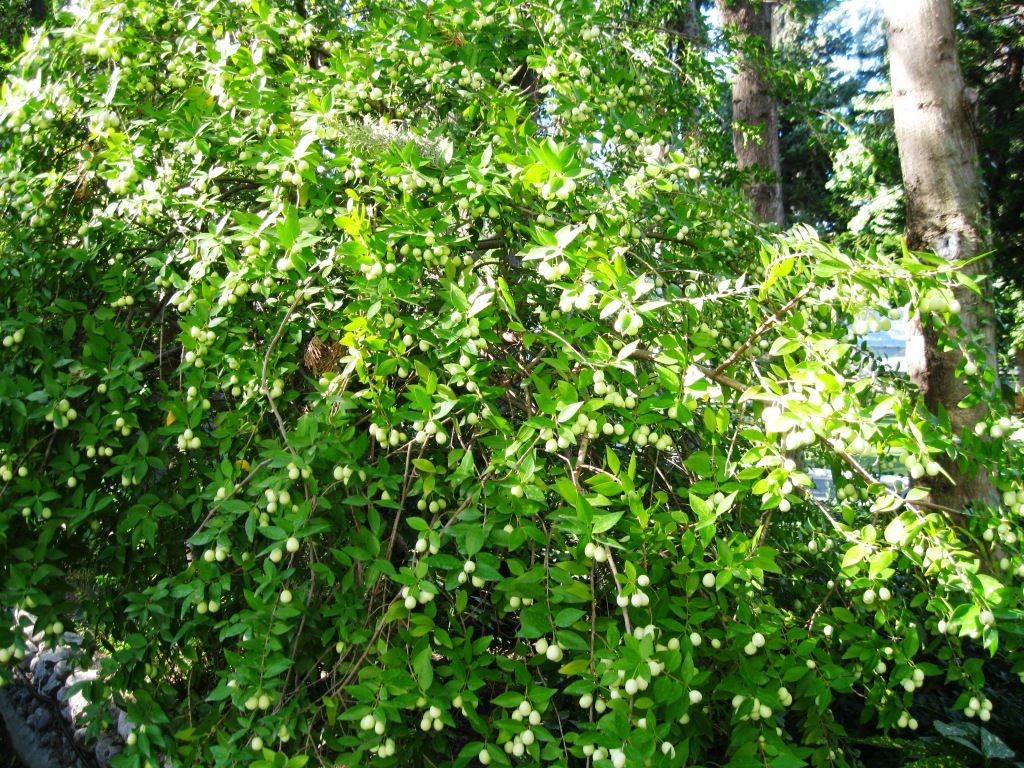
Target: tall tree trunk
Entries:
(40, 11)
(938, 148)
(684, 23)
(687, 22)
(754, 109)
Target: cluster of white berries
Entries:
(1014, 501)
(258, 700)
(413, 596)
(599, 753)
(385, 749)
(755, 644)
(940, 302)
(906, 721)
(14, 652)
(104, 121)
(551, 650)
(64, 414)
(294, 472)
(552, 270)
(431, 719)
(596, 552)
(998, 429)
(14, 338)
(579, 113)
(184, 301)
(631, 686)
(915, 681)
(276, 388)
(883, 595)
(277, 499)
(192, 393)
(466, 574)
(216, 554)
(374, 722)
(551, 443)
(627, 323)
(424, 545)
(374, 269)
(644, 435)
(785, 697)
(343, 473)
(638, 599)
(188, 440)
(849, 440)
(517, 745)
(203, 606)
(424, 431)
(386, 437)
(434, 506)
(798, 438)
(758, 710)
(918, 468)
(981, 707)
(849, 492)
(872, 324)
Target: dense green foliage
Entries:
(992, 52)
(16, 20)
(407, 381)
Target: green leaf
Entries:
(475, 538)
(568, 616)
(288, 227)
(776, 271)
(787, 761)
(699, 463)
(994, 748)
(534, 622)
(568, 412)
(605, 522)
(895, 531)
(423, 666)
(854, 555)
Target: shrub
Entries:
(403, 383)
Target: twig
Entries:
(618, 589)
(266, 361)
(767, 324)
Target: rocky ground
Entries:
(40, 712)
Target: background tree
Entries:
(991, 45)
(840, 168)
(755, 112)
(938, 143)
(17, 17)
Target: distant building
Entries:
(891, 345)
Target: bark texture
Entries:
(689, 22)
(755, 113)
(938, 146)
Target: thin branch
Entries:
(266, 361)
(764, 327)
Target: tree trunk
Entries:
(938, 149)
(39, 10)
(755, 114)
(688, 22)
